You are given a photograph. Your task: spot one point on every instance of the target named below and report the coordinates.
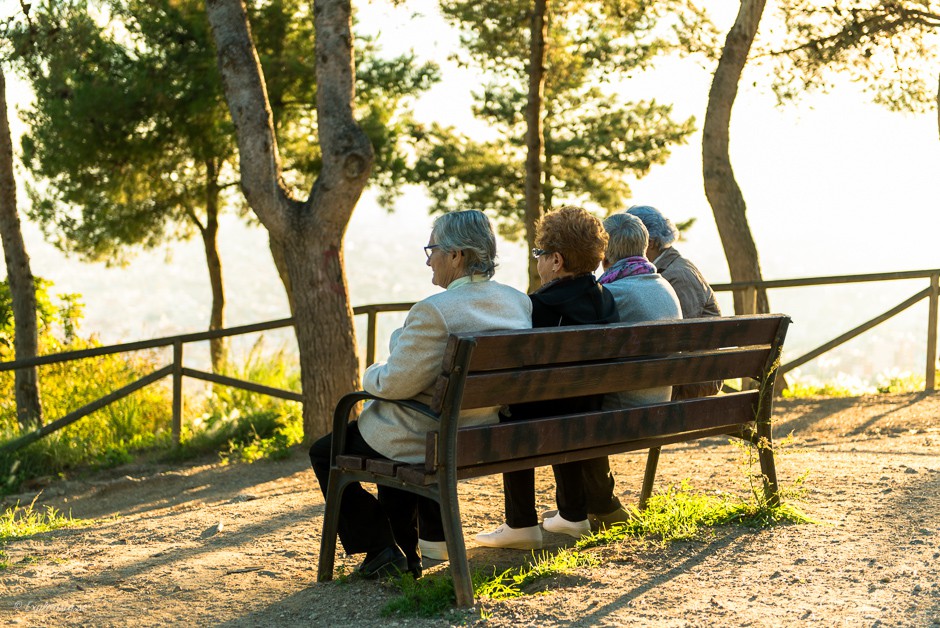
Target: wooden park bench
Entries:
(497, 368)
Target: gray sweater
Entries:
(640, 299)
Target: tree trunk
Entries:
(22, 288)
(210, 240)
(721, 188)
(534, 137)
(309, 233)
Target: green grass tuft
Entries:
(513, 582)
(426, 597)
(19, 522)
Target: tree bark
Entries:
(210, 241)
(535, 140)
(309, 233)
(721, 188)
(22, 287)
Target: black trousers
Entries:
(367, 524)
(519, 495)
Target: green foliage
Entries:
(680, 514)
(128, 130)
(799, 389)
(241, 426)
(592, 138)
(426, 597)
(517, 582)
(895, 381)
(20, 522)
(131, 135)
(244, 426)
(890, 48)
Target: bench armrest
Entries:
(349, 401)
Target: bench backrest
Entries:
(498, 368)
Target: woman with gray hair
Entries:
(695, 295)
(461, 253)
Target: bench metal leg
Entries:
(456, 547)
(765, 451)
(334, 494)
(652, 460)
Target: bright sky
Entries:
(833, 186)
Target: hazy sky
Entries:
(833, 185)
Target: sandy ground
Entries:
(237, 545)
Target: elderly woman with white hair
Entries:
(461, 253)
(695, 295)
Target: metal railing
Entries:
(178, 371)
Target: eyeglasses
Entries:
(430, 249)
(537, 253)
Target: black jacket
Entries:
(576, 300)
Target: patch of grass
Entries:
(513, 582)
(432, 595)
(426, 597)
(244, 426)
(19, 522)
(894, 381)
(681, 514)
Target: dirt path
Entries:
(237, 545)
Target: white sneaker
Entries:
(560, 525)
(513, 538)
(435, 550)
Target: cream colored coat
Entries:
(414, 362)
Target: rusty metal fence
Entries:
(178, 371)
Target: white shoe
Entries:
(560, 525)
(513, 538)
(435, 550)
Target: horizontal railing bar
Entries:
(382, 307)
(97, 404)
(67, 356)
(820, 281)
(835, 342)
(239, 383)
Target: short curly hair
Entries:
(576, 234)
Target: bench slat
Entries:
(506, 350)
(523, 439)
(351, 462)
(417, 474)
(518, 386)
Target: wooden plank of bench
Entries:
(523, 439)
(351, 462)
(419, 476)
(500, 350)
(383, 466)
(494, 388)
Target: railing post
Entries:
(931, 375)
(370, 338)
(177, 390)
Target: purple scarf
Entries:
(627, 267)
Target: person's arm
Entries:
(415, 359)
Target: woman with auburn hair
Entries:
(571, 244)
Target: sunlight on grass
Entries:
(678, 513)
(19, 522)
